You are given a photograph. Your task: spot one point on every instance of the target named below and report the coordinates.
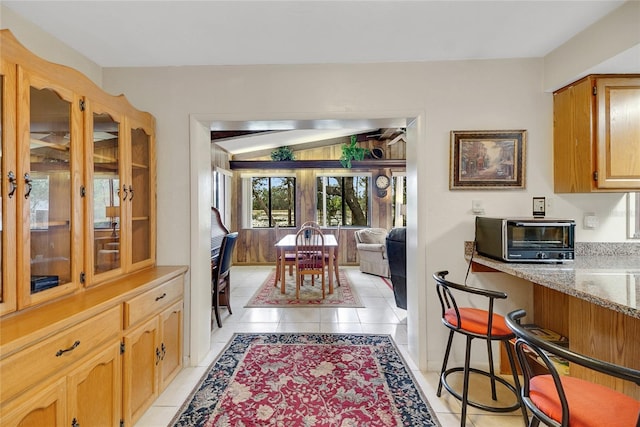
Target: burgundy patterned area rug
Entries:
(269, 295)
(307, 380)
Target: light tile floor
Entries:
(380, 316)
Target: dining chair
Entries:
(221, 277)
(289, 257)
(310, 224)
(310, 257)
(336, 251)
(474, 323)
(561, 400)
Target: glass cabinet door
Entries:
(8, 195)
(105, 193)
(140, 197)
(49, 181)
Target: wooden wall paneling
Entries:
(257, 246)
(550, 309)
(606, 335)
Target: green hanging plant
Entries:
(282, 154)
(352, 152)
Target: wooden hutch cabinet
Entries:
(79, 282)
(596, 135)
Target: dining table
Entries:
(288, 244)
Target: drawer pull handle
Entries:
(75, 423)
(161, 296)
(73, 347)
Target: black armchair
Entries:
(221, 277)
(397, 256)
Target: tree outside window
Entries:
(273, 202)
(343, 200)
(399, 197)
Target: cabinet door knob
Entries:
(124, 192)
(12, 183)
(130, 193)
(75, 423)
(27, 180)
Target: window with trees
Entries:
(273, 201)
(399, 197)
(343, 200)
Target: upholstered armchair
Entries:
(372, 251)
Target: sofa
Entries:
(372, 251)
(397, 255)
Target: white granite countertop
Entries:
(607, 276)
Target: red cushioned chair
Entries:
(475, 323)
(310, 255)
(564, 401)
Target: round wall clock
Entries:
(382, 182)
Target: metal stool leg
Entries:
(492, 373)
(444, 363)
(465, 385)
(516, 381)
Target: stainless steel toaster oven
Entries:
(526, 239)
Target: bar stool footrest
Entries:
(443, 380)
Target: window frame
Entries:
(398, 186)
(369, 177)
(247, 197)
(221, 192)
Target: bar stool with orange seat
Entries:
(482, 324)
(564, 401)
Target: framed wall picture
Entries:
(487, 159)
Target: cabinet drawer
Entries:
(52, 355)
(152, 302)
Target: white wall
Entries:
(443, 96)
(598, 47)
(44, 45)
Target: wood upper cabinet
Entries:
(8, 187)
(597, 135)
(78, 182)
(49, 159)
(618, 132)
(120, 191)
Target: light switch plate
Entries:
(539, 206)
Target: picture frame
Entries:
(487, 159)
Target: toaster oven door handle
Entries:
(545, 224)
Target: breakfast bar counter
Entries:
(606, 274)
(593, 300)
